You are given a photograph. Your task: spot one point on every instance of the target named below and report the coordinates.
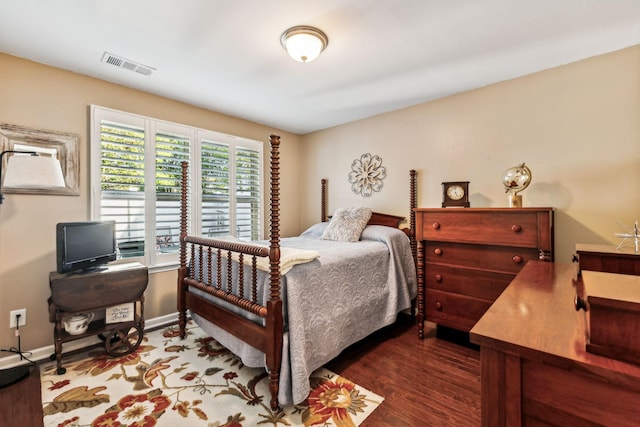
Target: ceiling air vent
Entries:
(118, 61)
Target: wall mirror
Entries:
(63, 146)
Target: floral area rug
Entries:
(172, 382)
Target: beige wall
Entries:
(576, 126)
(42, 97)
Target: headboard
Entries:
(380, 218)
(385, 219)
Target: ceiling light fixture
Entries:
(303, 43)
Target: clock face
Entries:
(455, 192)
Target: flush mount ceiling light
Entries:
(303, 43)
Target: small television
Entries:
(84, 245)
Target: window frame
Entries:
(167, 261)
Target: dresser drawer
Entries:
(495, 258)
(494, 228)
(475, 283)
(454, 310)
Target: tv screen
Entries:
(84, 245)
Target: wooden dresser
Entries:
(534, 366)
(467, 257)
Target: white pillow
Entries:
(346, 224)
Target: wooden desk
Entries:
(534, 365)
(607, 258)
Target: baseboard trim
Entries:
(43, 353)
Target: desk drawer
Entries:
(610, 263)
(472, 282)
(454, 310)
(494, 258)
(495, 228)
(556, 396)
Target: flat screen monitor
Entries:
(84, 245)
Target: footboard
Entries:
(219, 268)
(227, 273)
(206, 273)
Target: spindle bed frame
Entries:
(198, 252)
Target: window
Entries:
(136, 175)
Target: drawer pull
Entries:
(438, 306)
(438, 278)
(435, 226)
(544, 255)
(437, 251)
(517, 259)
(516, 228)
(580, 304)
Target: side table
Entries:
(83, 292)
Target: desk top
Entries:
(108, 268)
(536, 319)
(621, 291)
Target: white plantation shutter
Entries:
(171, 151)
(122, 184)
(248, 193)
(231, 188)
(216, 203)
(136, 175)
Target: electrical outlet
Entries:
(23, 317)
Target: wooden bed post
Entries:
(182, 270)
(413, 202)
(274, 321)
(323, 199)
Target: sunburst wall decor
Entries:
(367, 174)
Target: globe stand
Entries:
(515, 200)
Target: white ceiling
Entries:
(225, 55)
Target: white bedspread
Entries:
(333, 301)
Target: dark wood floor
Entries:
(20, 403)
(429, 382)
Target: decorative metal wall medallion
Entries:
(367, 174)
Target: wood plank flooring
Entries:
(429, 382)
(20, 403)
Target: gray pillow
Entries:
(346, 224)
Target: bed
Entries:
(290, 305)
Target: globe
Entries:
(516, 179)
